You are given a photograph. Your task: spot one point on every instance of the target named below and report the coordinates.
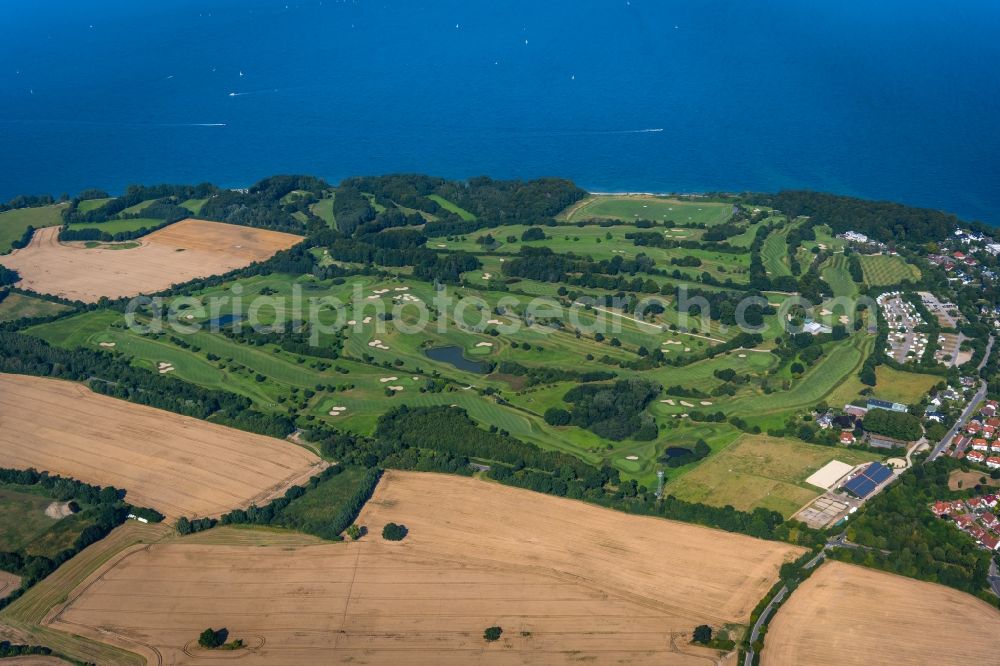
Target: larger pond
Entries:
(455, 357)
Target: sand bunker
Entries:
(58, 510)
(396, 388)
(631, 457)
(106, 344)
(686, 404)
(484, 344)
(706, 403)
(387, 379)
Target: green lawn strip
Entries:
(18, 306)
(454, 208)
(13, 223)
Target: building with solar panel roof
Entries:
(870, 478)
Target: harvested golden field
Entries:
(709, 574)
(175, 464)
(8, 583)
(566, 581)
(845, 615)
(177, 253)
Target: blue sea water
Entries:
(897, 99)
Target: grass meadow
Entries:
(13, 223)
(645, 207)
(882, 270)
(761, 471)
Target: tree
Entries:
(211, 639)
(555, 416)
(492, 633)
(183, 525)
(394, 532)
(354, 532)
(702, 633)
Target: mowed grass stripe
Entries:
(881, 270)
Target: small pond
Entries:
(455, 357)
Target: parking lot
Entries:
(904, 343)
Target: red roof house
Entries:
(846, 437)
(990, 541)
(975, 456)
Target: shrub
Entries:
(211, 639)
(394, 532)
(492, 633)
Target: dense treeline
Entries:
(424, 428)
(541, 263)
(351, 208)
(273, 513)
(261, 205)
(24, 239)
(880, 220)
(919, 544)
(9, 650)
(399, 249)
(550, 375)
(653, 239)
(98, 234)
(614, 411)
(294, 337)
(166, 197)
(897, 425)
(8, 276)
(512, 201)
(27, 201)
(116, 377)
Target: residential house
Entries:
(975, 456)
(940, 508)
(980, 444)
(991, 542)
(855, 411)
(988, 519)
(975, 504)
(993, 462)
(847, 438)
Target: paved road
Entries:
(980, 394)
(994, 577)
(766, 613)
(755, 632)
